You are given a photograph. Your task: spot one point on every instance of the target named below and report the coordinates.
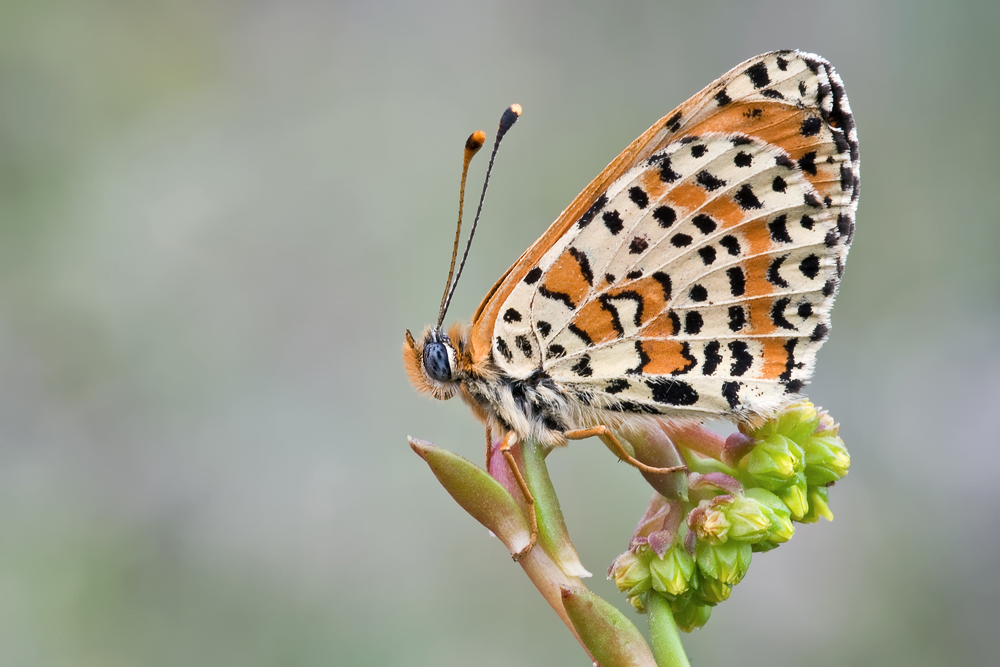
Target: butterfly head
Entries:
(432, 363)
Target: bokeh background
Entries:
(217, 218)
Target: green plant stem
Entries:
(553, 536)
(666, 641)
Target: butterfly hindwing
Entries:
(700, 281)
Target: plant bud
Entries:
(726, 562)
(826, 459)
(672, 574)
(819, 506)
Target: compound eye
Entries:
(436, 361)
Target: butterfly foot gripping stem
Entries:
(608, 437)
(505, 446)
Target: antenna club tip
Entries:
(510, 116)
(475, 141)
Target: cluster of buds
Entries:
(692, 549)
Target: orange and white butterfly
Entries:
(692, 279)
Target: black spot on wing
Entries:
(704, 223)
(804, 310)
(643, 359)
(555, 351)
(808, 163)
(731, 392)
(582, 367)
(638, 196)
(757, 74)
(820, 333)
(665, 216)
(544, 328)
(524, 345)
(584, 262)
(782, 64)
(779, 184)
(594, 209)
(737, 281)
(810, 126)
(698, 151)
(829, 287)
(690, 361)
(708, 181)
(638, 245)
(502, 348)
(790, 362)
(722, 98)
(712, 358)
(773, 276)
(794, 386)
(746, 198)
(664, 281)
(742, 359)
(807, 222)
(617, 386)
(667, 174)
(810, 267)
(672, 392)
(778, 313)
(779, 229)
(680, 240)
(743, 159)
(693, 322)
(613, 221)
(532, 276)
(707, 254)
(773, 94)
(674, 122)
(511, 316)
(731, 244)
(698, 293)
(737, 318)
(634, 275)
(557, 296)
(675, 321)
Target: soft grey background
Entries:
(217, 219)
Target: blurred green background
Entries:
(218, 217)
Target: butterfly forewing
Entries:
(699, 282)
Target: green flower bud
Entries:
(796, 498)
(775, 461)
(638, 603)
(819, 505)
(726, 562)
(797, 421)
(672, 573)
(826, 459)
(780, 528)
(691, 615)
(714, 591)
(714, 527)
(631, 573)
(748, 520)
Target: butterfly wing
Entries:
(695, 275)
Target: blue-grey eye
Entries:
(436, 361)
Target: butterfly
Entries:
(692, 279)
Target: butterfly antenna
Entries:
(472, 146)
(507, 120)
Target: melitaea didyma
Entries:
(692, 279)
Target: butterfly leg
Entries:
(509, 441)
(603, 432)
